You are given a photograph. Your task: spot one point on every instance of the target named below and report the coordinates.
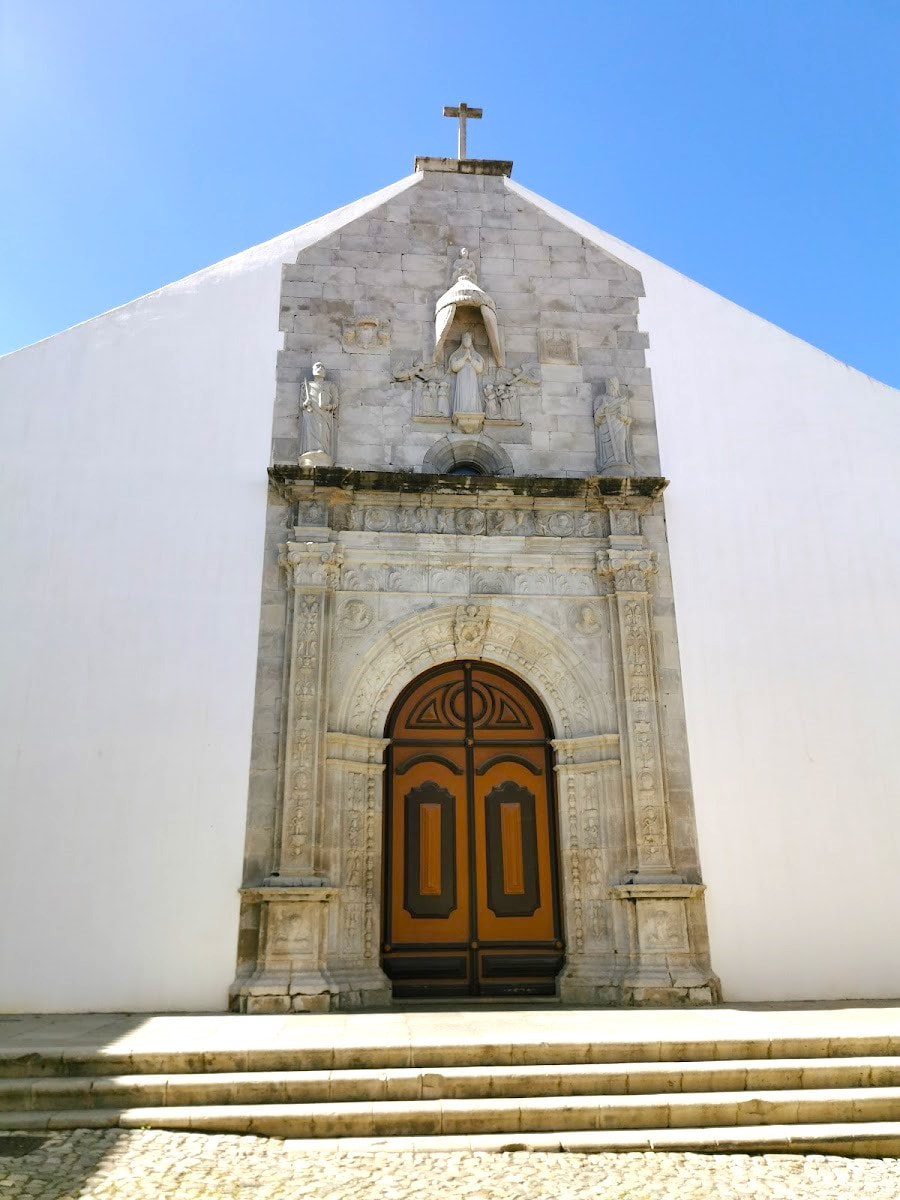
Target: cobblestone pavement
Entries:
(146, 1165)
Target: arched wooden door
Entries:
(471, 898)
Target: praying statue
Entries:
(612, 428)
(467, 364)
(318, 409)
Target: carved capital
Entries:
(313, 564)
(630, 569)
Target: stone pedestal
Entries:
(663, 969)
(292, 940)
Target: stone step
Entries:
(310, 1054)
(699, 1110)
(451, 1083)
(869, 1139)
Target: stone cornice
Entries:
(464, 166)
(656, 891)
(337, 483)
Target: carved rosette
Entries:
(630, 571)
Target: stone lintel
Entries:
(295, 482)
(465, 166)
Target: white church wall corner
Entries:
(458, 328)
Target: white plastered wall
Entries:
(133, 451)
(783, 531)
(133, 491)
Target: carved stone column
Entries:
(663, 967)
(294, 928)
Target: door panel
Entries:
(471, 895)
(429, 838)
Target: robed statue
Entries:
(467, 365)
(612, 428)
(318, 409)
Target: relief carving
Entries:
(558, 347)
(366, 334)
(354, 820)
(355, 616)
(301, 769)
(503, 393)
(470, 629)
(586, 621)
(431, 390)
(662, 925)
(612, 429)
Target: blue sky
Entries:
(752, 145)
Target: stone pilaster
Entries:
(355, 789)
(314, 568)
(584, 768)
(662, 966)
(294, 922)
(630, 570)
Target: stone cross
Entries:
(463, 112)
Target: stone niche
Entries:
(565, 583)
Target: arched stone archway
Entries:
(485, 629)
(479, 449)
(587, 768)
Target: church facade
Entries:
(466, 505)
(507, 451)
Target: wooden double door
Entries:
(471, 898)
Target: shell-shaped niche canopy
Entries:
(465, 292)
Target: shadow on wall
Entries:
(34, 1049)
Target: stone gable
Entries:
(565, 308)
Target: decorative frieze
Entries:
(437, 576)
(496, 521)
